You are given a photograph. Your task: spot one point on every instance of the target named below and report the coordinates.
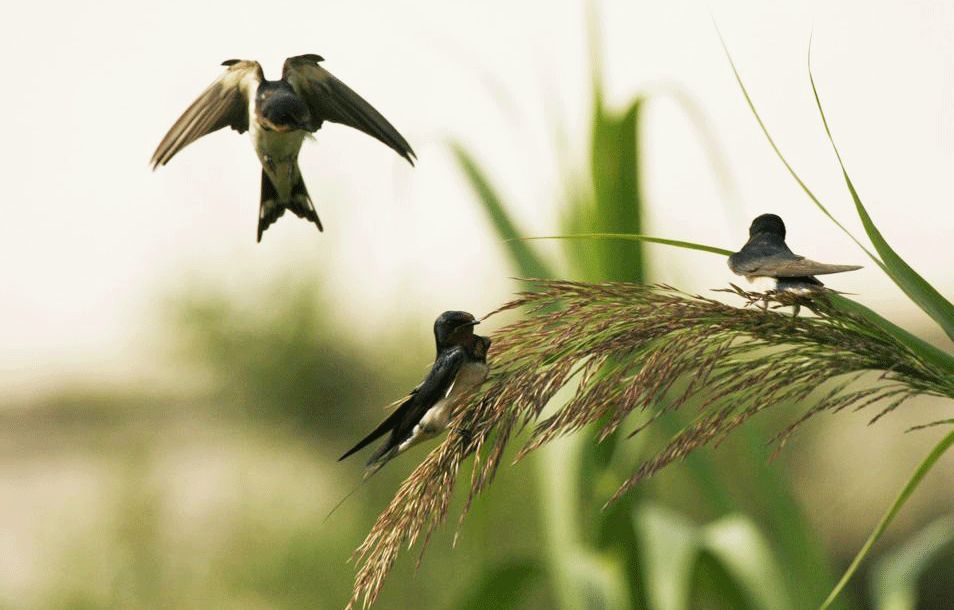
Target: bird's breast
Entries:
(470, 375)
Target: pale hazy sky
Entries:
(90, 236)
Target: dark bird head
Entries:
(454, 328)
(279, 107)
(767, 223)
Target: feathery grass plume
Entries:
(651, 349)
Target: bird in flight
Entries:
(460, 366)
(278, 115)
(767, 256)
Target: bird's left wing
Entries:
(800, 267)
(224, 103)
(329, 99)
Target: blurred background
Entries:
(173, 396)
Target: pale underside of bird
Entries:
(278, 116)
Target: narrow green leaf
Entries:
(894, 580)
(912, 484)
(916, 287)
(778, 152)
(632, 237)
(523, 257)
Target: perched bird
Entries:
(278, 115)
(766, 257)
(460, 366)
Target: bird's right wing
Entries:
(224, 103)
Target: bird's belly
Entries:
(278, 153)
(433, 423)
(762, 283)
(470, 375)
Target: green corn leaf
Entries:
(916, 287)
(894, 580)
(912, 484)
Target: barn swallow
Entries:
(766, 256)
(460, 366)
(278, 115)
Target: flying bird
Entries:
(278, 115)
(767, 257)
(460, 366)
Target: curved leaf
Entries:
(889, 516)
(916, 287)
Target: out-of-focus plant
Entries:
(271, 355)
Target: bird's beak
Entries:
(471, 323)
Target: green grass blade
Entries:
(916, 287)
(634, 237)
(521, 255)
(889, 516)
(894, 581)
(778, 153)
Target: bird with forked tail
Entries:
(278, 115)
(766, 257)
(460, 366)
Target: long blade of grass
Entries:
(916, 287)
(634, 237)
(912, 484)
(778, 153)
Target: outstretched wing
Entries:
(782, 266)
(329, 99)
(224, 103)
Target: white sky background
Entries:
(90, 237)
